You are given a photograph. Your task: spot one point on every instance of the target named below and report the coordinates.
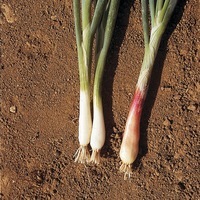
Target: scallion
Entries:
(104, 35)
(160, 12)
(85, 31)
(86, 26)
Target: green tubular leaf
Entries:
(157, 31)
(76, 6)
(163, 11)
(87, 39)
(86, 7)
(156, 35)
(101, 32)
(169, 11)
(152, 10)
(145, 72)
(98, 78)
(149, 58)
(83, 41)
(159, 5)
(83, 74)
(163, 19)
(86, 46)
(166, 12)
(110, 24)
(145, 23)
(99, 10)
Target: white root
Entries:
(127, 170)
(95, 157)
(82, 155)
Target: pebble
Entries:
(117, 136)
(198, 87)
(8, 13)
(192, 107)
(115, 130)
(13, 109)
(166, 123)
(54, 17)
(183, 52)
(166, 88)
(177, 97)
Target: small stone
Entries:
(177, 97)
(166, 88)
(198, 87)
(166, 123)
(152, 129)
(58, 153)
(13, 109)
(170, 136)
(54, 17)
(115, 130)
(117, 136)
(176, 155)
(192, 107)
(183, 52)
(8, 13)
(157, 173)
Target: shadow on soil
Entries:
(120, 30)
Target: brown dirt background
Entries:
(40, 106)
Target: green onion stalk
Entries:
(160, 13)
(86, 26)
(104, 36)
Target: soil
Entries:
(40, 106)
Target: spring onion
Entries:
(104, 35)
(86, 26)
(160, 12)
(84, 39)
